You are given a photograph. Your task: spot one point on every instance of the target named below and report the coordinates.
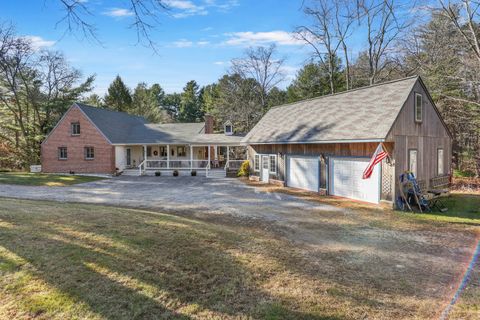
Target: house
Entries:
(95, 140)
(324, 144)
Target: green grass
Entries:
(462, 208)
(41, 179)
(462, 174)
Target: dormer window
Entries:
(75, 128)
(228, 128)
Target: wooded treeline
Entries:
(439, 42)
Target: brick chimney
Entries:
(208, 124)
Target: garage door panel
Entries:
(303, 172)
(346, 180)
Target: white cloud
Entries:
(203, 43)
(183, 43)
(256, 38)
(38, 42)
(185, 8)
(118, 13)
(219, 63)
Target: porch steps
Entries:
(130, 172)
(216, 174)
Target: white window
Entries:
(89, 153)
(418, 107)
(440, 167)
(181, 151)
(163, 151)
(62, 153)
(75, 128)
(273, 164)
(256, 163)
(228, 128)
(412, 161)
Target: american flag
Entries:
(378, 156)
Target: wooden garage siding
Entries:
(330, 149)
(427, 137)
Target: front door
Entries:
(265, 173)
(129, 157)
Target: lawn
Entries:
(41, 179)
(79, 261)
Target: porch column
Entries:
(215, 152)
(228, 153)
(168, 156)
(191, 157)
(144, 158)
(208, 154)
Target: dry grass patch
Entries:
(73, 261)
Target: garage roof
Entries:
(361, 114)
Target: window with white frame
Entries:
(418, 107)
(163, 151)
(62, 153)
(75, 128)
(149, 151)
(440, 165)
(181, 151)
(412, 161)
(256, 163)
(273, 163)
(89, 153)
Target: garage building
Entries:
(324, 144)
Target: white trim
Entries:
(317, 142)
(270, 163)
(255, 162)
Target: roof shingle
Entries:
(361, 114)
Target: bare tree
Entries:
(261, 65)
(145, 15)
(383, 28)
(320, 35)
(36, 87)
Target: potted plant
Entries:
(158, 173)
(193, 173)
(175, 173)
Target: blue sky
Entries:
(196, 39)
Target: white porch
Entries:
(147, 159)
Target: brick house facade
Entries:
(61, 137)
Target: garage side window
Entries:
(273, 163)
(440, 166)
(412, 161)
(418, 107)
(256, 162)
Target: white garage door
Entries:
(346, 180)
(303, 172)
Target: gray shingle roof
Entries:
(123, 128)
(361, 114)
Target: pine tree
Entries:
(190, 106)
(147, 102)
(118, 96)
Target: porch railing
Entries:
(172, 164)
(233, 164)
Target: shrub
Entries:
(175, 173)
(158, 173)
(193, 173)
(244, 170)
